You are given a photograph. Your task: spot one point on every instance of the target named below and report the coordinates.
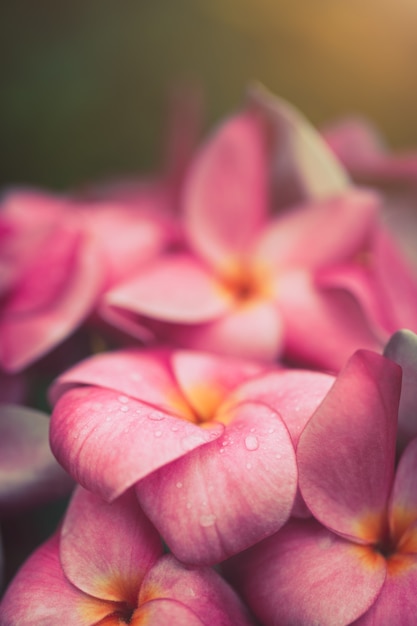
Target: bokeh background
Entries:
(85, 84)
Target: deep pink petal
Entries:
(225, 196)
(106, 549)
(339, 323)
(200, 590)
(205, 379)
(108, 442)
(29, 472)
(42, 320)
(233, 334)
(320, 234)
(303, 166)
(228, 494)
(175, 288)
(41, 594)
(305, 574)
(396, 603)
(347, 488)
(402, 348)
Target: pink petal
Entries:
(108, 442)
(347, 487)
(36, 327)
(160, 612)
(225, 196)
(142, 375)
(305, 574)
(403, 503)
(41, 594)
(319, 234)
(176, 288)
(29, 472)
(206, 380)
(106, 549)
(396, 603)
(340, 326)
(303, 166)
(228, 494)
(233, 334)
(402, 348)
(200, 591)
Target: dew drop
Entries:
(251, 442)
(158, 433)
(123, 399)
(156, 417)
(248, 465)
(207, 520)
(270, 431)
(178, 485)
(252, 430)
(108, 418)
(188, 505)
(174, 428)
(124, 408)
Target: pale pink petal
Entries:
(175, 288)
(160, 612)
(403, 503)
(303, 166)
(228, 494)
(206, 380)
(142, 375)
(106, 549)
(108, 442)
(347, 488)
(397, 602)
(339, 323)
(41, 594)
(29, 473)
(127, 236)
(320, 234)
(28, 333)
(234, 334)
(402, 348)
(294, 394)
(225, 195)
(305, 574)
(201, 591)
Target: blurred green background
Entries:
(85, 83)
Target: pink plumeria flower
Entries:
(362, 150)
(357, 564)
(105, 566)
(58, 257)
(248, 268)
(402, 348)
(213, 474)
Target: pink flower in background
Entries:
(358, 563)
(363, 152)
(213, 475)
(249, 268)
(105, 565)
(57, 258)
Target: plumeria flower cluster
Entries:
(233, 394)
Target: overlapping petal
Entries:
(224, 496)
(305, 574)
(108, 441)
(113, 569)
(347, 488)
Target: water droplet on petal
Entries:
(179, 485)
(207, 520)
(123, 399)
(270, 430)
(252, 430)
(251, 442)
(248, 465)
(156, 417)
(124, 408)
(158, 433)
